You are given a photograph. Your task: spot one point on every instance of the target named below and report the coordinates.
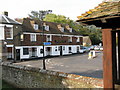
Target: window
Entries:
(22, 37)
(9, 32)
(35, 26)
(78, 39)
(46, 27)
(70, 30)
(70, 39)
(62, 29)
(64, 48)
(41, 51)
(55, 48)
(25, 51)
(59, 48)
(49, 38)
(33, 37)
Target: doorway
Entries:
(48, 51)
(34, 52)
(61, 52)
(17, 54)
(70, 50)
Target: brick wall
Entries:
(56, 40)
(29, 77)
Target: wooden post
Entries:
(107, 58)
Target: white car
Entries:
(101, 48)
(96, 48)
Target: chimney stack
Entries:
(5, 13)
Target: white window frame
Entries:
(35, 26)
(22, 37)
(78, 39)
(70, 39)
(50, 39)
(71, 30)
(62, 29)
(10, 26)
(33, 37)
(47, 28)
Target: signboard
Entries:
(47, 43)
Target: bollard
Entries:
(89, 55)
(94, 54)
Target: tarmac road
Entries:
(75, 64)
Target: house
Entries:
(9, 32)
(26, 40)
(59, 39)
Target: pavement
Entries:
(74, 64)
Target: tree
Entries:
(39, 14)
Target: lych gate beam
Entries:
(107, 58)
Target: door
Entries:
(17, 54)
(9, 53)
(77, 49)
(48, 49)
(34, 52)
(61, 51)
(70, 50)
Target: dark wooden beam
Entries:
(107, 58)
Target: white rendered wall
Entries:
(52, 51)
(74, 49)
(2, 37)
(55, 53)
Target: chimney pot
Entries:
(5, 13)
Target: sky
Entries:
(68, 8)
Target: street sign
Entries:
(47, 43)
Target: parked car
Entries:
(101, 48)
(84, 49)
(91, 47)
(97, 47)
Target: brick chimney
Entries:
(5, 13)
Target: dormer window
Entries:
(35, 26)
(46, 27)
(62, 29)
(70, 30)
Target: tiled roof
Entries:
(53, 29)
(6, 20)
(108, 8)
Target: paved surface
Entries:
(75, 64)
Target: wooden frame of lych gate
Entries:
(111, 57)
(111, 53)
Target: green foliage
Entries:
(57, 18)
(34, 15)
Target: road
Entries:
(75, 64)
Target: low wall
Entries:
(29, 77)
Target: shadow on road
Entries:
(90, 73)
